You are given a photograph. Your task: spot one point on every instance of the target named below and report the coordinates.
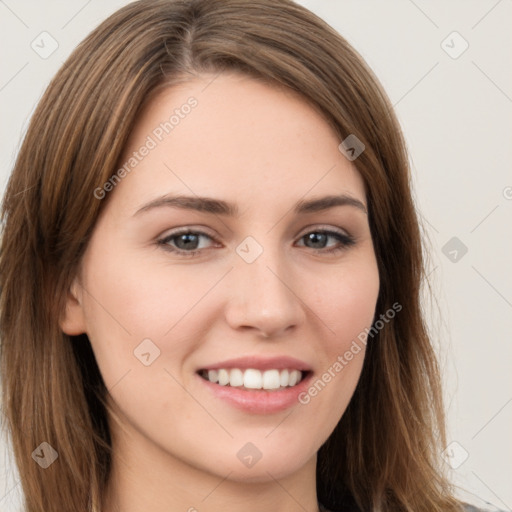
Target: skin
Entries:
(175, 444)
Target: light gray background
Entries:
(456, 115)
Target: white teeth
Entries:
(294, 377)
(254, 379)
(236, 377)
(271, 379)
(223, 377)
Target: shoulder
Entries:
(486, 507)
(472, 503)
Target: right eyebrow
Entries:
(201, 204)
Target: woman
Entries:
(210, 275)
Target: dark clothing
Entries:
(467, 508)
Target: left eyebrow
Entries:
(324, 203)
(219, 207)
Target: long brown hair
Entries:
(383, 453)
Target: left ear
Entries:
(72, 321)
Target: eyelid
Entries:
(195, 229)
(324, 227)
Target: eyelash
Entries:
(345, 241)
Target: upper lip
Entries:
(261, 363)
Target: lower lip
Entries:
(258, 401)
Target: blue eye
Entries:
(185, 242)
(190, 243)
(319, 239)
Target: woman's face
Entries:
(236, 248)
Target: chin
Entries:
(276, 464)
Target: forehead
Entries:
(233, 137)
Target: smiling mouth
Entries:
(252, 379)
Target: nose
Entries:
(263, 297)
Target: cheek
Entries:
(345, 304)
(345, 301)
(145, 300)
(131, 301)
